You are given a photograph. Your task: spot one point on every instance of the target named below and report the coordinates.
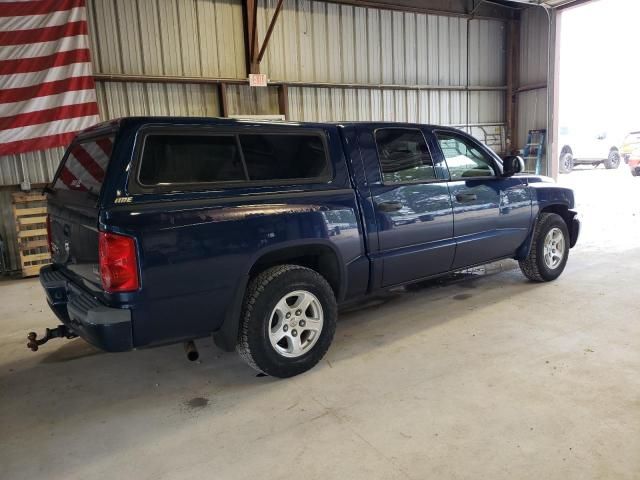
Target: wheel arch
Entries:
(565, 213)
(317, 255)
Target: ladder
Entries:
(534, 150)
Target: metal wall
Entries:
(532, 107)
(194, 38)
(34, 167)
(119, 99)
(394, 105)
(8, 229)
(313, 41)
(245, 100)
(324, 42)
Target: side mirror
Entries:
(512, 164)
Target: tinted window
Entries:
(169, 159)
(284, 157)
(85, 166)
(464, 159)
(404, 156)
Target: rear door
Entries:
(409, 195)
(73, 208)
(491, 213)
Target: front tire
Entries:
(613, 161)
(549, 249)
(288, 320)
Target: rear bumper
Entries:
(107, 328)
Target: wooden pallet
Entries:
(30, 214)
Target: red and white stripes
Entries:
(86, 165)
(47, 92)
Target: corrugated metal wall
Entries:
(534, 58)
(317, 41)
(313, 41)
(534, 31)
(324, 42)
(119, 99)
(245, 100)
(394, 105)
(194, 38)
(8, 229)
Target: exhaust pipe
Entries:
(191, 351)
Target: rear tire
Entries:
(288, 320)
(566, 162)
(634, 172)
(549, 249)
(613, 161)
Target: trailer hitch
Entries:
(59, 332)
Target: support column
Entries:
(283, 101)
(553, 83)
(254, 53)
(513, 48)
(222, 99)
(250, 24)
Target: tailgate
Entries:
(74, 211)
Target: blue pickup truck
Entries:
(166, 230)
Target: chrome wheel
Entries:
(566, 163)
(614, 158)
(554, 248)
(295, 323)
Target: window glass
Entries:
(85, 166)
(404, 156)
(464, 159)
(284, 157)
(181, 159)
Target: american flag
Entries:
(47, 92)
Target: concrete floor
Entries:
(483, 376)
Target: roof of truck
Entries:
(142, 120)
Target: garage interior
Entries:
(478, 375)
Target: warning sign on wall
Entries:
(257, 79)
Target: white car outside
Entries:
(587, 149)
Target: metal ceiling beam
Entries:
(267, 37)
(449, 8)
(254, 52)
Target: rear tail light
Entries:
(49, 239)
(118, 263)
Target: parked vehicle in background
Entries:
(630, 144)
(170, 229)
(587, 149)
(634, 162)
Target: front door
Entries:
(412, 206)
(491, 213)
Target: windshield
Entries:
(85, 165)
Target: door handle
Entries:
(466, 197)
(389, 206)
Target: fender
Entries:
(226, 337)
(549, 197)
